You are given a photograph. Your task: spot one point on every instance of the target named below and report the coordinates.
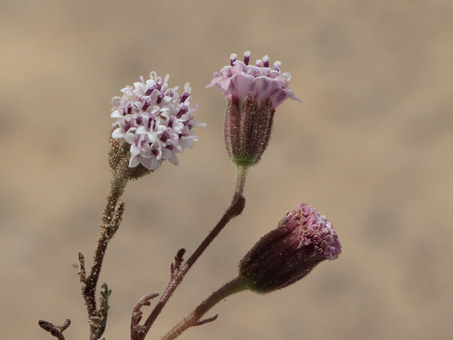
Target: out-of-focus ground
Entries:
(370, 147)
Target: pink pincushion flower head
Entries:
(155, 120)
(252, 92)
(260, 81)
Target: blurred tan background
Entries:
(370, 147)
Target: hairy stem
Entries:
(236, 207)
(232, 287)
(110, 223)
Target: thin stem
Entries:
(236, 207)
(232, 287)
(241, 175)
(110, 222)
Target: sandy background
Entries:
(370, 147)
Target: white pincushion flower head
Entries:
(155, 120)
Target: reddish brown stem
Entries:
(232, 287)
(236, 207)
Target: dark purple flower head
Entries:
(302, 239)
(252, 93)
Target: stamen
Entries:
(146, 105)
(247, 55)
(184, 109)
(171, 122)
(233, 58)
(151, 123)
(160, 97)
(150, 90)
(184, 96)
(186, 92)
(165, 136)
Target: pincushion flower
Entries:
(252, 93)
(285, 255)
(155, 120)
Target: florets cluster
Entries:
(308, 226)
(261, 81)
(155, 120)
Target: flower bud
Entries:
(252, 93)
(285, 255)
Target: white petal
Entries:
(152, 137)
(134, 161)
(140, 87)
(154, 163)
(130, 138)
(147, 163)
(134, 150)
(116, 114)
(159, 129)
(118, 133)
(166, 153)
(173, 159)
(141, 130)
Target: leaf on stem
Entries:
(205, 321)
(100, 320)
(56, 331)
(175, 266)
(82, 271)
(137, 314)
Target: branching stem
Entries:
(236, 207)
